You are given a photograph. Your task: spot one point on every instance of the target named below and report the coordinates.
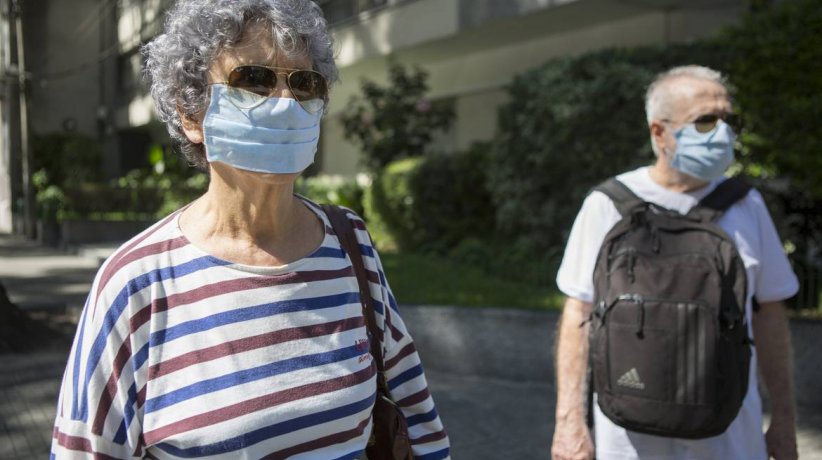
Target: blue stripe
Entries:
(352, 456)
(271, 431)
(128, 416)
(140, 358)
(250, 313)
(78, 341)
(325, 251)
(438, 455)
(392, 302)
(250, 375)
(367, 250)
(410, 374)
(378, 307)
(422, 418)
(121, 302)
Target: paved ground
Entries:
(486, 419)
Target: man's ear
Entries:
(192, 126)
(657, 130)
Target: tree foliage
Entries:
(395, 121)
(776, 69)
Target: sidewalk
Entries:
(485, 418)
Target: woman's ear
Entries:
(192, 126)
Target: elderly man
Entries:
(689, 113)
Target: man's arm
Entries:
(572, 438)
(773, 346)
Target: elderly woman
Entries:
(233, 328)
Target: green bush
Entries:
(395, 121)
(389, 205)
(451, 198)
(777, 71)
(570, 124)
(333, 190)
(431, 203)
(67, 159)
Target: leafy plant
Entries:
(432, 203)
(67, 159)
(337, 190)
(397, 120)
(777, 71)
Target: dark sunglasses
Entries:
(706, 123)
(258, 82)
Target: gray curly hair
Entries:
(177, 61)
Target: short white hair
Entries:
(660, 93)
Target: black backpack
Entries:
(669, 344)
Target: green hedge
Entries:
(433, 202)
(776, 67)
(333, 190)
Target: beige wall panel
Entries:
(477, 117)
(396, 28)
(338, 155)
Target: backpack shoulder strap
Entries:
(348, 240)
(725, 195)
(623, 198)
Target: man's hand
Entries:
(781, 440)
(572, 441)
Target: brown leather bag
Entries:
(389, 435)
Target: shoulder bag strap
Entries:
(348, 240)
(713, 206)
(623, 198)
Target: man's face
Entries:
(695, 98)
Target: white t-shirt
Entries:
(770, 278)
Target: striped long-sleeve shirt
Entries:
(179, 354)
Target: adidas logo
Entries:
(631, 380)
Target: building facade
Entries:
(85, 65)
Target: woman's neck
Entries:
(251, 210)
(252, 219)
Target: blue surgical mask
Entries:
(273, 135)
(705, 156)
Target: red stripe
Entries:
(406, 350)
(358, 223)
(243, 284)
(395, 333)
(259, 403)
(252, 343)
(141, 397)
(316, 444)
(415, 398)
(110, 390)
(77, 443)
(431, 437)
(124, 255)
(373, 277)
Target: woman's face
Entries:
(255, 47)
